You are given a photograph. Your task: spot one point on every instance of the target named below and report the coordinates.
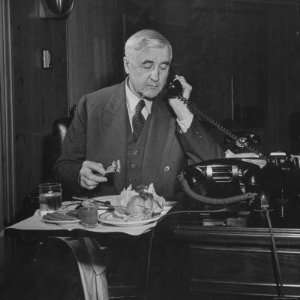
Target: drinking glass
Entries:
(88, 214)
(50, 196)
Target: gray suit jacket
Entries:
(99, 133)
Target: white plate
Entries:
(61, 221)
(109, 219)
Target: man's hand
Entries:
(91, 174)
(186, 87)
(180, 107)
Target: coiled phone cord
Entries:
(202, 116)
(209, 200)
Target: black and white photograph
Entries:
(149, 150)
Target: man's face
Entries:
(148, 70)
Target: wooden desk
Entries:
(233, 263)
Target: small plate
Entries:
(109, 219)
(61, 221)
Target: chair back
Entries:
(52, 144)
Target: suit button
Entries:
(166, 168)
(197, 132)
(134, 152)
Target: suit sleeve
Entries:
(198, 144)
(73, 153)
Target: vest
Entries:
(135, 154)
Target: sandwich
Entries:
(138, 204)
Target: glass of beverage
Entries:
(88, 214)
(50, 196)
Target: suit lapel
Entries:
(113, 125)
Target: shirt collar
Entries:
(132, 99)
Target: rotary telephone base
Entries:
(232, 191)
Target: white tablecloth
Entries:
(36, 223)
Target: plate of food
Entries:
(61, 221)
(136, 207)
(109, 218)
(59, 218)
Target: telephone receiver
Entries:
(174, 87)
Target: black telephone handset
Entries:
(174, 87)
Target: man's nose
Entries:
(155, 74)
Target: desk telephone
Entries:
(228, 181)
(274, 187)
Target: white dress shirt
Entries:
(132, 101)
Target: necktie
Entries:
(138, 119)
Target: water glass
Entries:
(50, 196)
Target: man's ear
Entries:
(126, 63)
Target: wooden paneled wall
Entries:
(242, 58)
(283, 58)
(40, 95)
(86, 50)
(94, 47)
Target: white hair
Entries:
(145, 38)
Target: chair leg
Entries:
(91, 267)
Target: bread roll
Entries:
(139, 204)
(140, 208)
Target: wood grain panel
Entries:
(229, 264)
(29, 166)
(95, 43)
(240, 270)
(234, 263)
(246, 52)
(39, 94)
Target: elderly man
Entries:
(136, 124)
